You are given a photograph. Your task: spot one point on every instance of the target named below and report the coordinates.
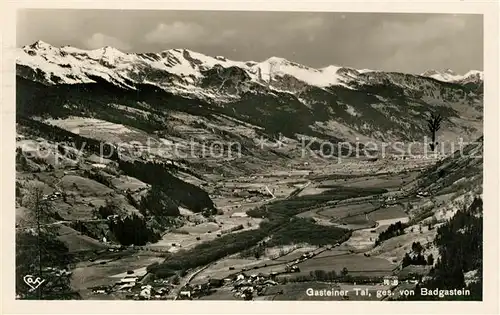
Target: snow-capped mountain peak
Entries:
(40, 45)
(277, 60)
(449, 75)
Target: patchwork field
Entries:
(390, 182)
(297, 253)
(189, 236)
(90, 274)
(124, 182)
(222, 294)
(395, 248)
(76, 242)
(100, 129)
(391, 212)
(220, 269)
(357, 264)
(381, 217)
(342, 211)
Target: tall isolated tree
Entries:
(39, 210)
(434, 124)
(344, 272)
(37, 246)
(430, 260)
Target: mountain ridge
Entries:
(189, 66)
(427, 73)
(330, 102)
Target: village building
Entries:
(185, 295)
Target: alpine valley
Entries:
(190, 173)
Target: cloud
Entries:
(175, 33)
(99, 40)
(225, 35)
(417, 33)
(307, 29)
(184, 33)
(433, 42)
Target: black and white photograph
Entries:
(200, 155)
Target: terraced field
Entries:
(356, 264)
(341, 211)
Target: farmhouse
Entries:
(128, 280)
(145, 292)
(240, 277)
(185, 295)
(100, 289)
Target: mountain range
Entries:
(333, 102)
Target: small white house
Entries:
(131, 279)
(240, 277)
(146, 292)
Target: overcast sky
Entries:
(393, 42)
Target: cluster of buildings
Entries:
(422, 194)
(55, 195)
(131, 286)
(292, 267)
(57, 272)
(241, 285)
(389, 201)
(190, 292)
(245, 287)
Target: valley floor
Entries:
(366, 216)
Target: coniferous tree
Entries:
(434, 124)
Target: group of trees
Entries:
(332, 276)
(158, 203)
(133, 230)
(392, 230)
(305, 230)
(322, 275)
(99, 177)
(21, 161)
(254, 252)
(460, 244)
(165, 184)
(417, 257)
